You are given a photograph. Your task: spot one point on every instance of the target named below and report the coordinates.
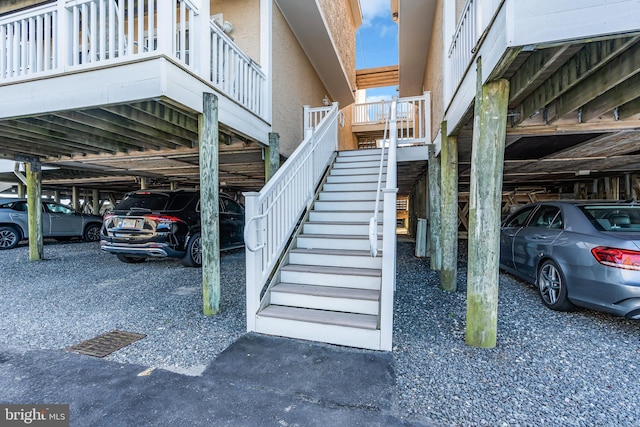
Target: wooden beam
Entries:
(538, 67)
(377, 77)
(587, 61)
(434, 177)
(485, 212)
(34, 210)
(614, 73)
(272, 156)
(210, 216)
(621, 94)
(449, 209)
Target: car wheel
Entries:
(91, 233)
(553, 287)
(130, 259)
(9, 237)
(193, 257)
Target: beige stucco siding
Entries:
(244, 15)
(9, 5)
(434, 74)
(339, 19)
(340, 22)
(295, 83)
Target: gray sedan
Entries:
(59, 221)
(577, 254)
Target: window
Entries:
(230, 206)
(547, 217)
(56, 208)
(520, 218)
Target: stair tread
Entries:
(345, 252)
(341, 222)
(362, 321)
(336, 236)
(343, 271)
(327, 291)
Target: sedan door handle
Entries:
(540, 237)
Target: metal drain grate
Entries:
(105, 344)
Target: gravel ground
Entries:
(549, 368)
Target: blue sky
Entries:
(377, 42)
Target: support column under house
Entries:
(487, 162)
(209, 205)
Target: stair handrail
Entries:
(373, 222)
(388, 282)
(273, 213)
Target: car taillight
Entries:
(163, 218)
(619, 258)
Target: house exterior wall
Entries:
(340, 21)
(434, 71)
(11, 5)
(295, 83)
(244, 15)
(342, 25)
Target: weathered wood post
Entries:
(75, 200)
(435, 243)
(95, 201)
(449, 212)
(34, 207)
(210, 211)
(272, 156)
(21, 190)
(487, 160)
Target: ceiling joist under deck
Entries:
(112, 147)
(574, 114)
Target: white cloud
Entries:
(372, 9)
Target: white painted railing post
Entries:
(63, 35)
(166, 27)
(307, 125)
(252, 262)
(389, 238)
(203, 38)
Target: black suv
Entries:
(166, 224)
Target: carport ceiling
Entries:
(574, 114)
(111, 148)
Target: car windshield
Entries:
(613, 217)
(147, 201)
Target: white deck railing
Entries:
(272, 214)
(463, 44)
(235, 74)
(73, 35)
(413, 115)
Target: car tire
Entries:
(91, 233)
(193, 256)
(131, 259)
(553, 287)
(9, 237)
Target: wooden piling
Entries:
(209, 199)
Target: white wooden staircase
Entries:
(328, 286)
